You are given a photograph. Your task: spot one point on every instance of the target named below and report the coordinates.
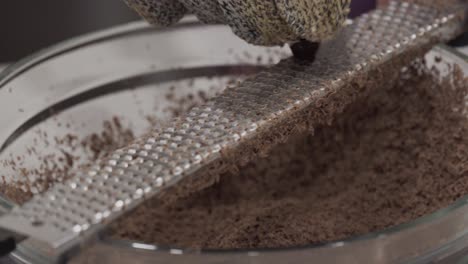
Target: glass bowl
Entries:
(142, 76)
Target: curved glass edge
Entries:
(453, 53)
(3, 67)
(138, 27)
(27, 62)
(459, 58)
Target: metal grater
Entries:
(231, 127)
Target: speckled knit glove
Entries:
(260, 22)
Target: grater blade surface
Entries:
(233, 126)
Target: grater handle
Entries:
(8, 241)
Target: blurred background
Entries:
(29, 25)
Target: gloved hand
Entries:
(260, 22)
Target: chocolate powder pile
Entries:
(394, 156)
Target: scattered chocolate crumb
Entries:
(182, 104)
(112, 137)
(14, 192)
(68, 158)
(57, 168)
